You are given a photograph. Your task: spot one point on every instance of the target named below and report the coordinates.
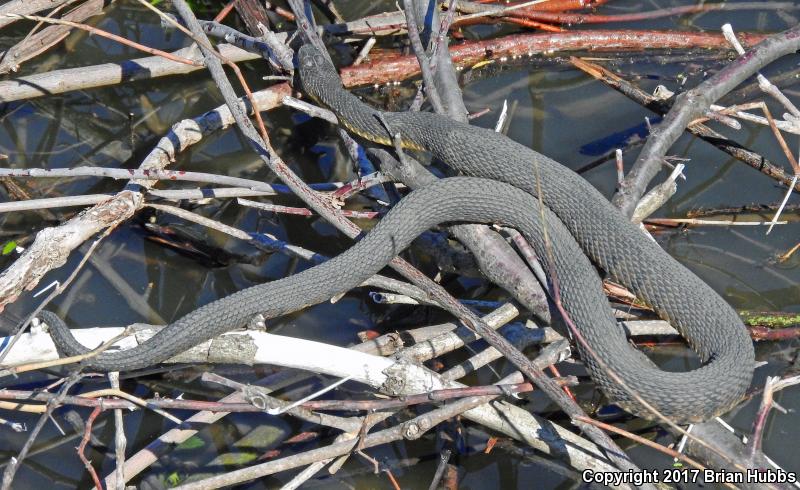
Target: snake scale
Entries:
(583, 230)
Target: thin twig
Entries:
(771, 386)
(119, 439)
(422, 58)
(647, 442)
(107, 35)
(430, 397)
(763, 83)
(87, 433)
(444, 457)
(500, 10)
(774, 221)
(708, 222)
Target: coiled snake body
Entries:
(580, 225)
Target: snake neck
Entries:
(361, 119)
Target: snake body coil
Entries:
(580, 224)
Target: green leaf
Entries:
(193, 442)
(9, 247)
(235, 459)
(173, 479)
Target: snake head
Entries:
(311, 59)
(315, 71)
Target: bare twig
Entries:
(422, 58)
(27, 7)
(469, 53)
(657, 196)
(709, 222)
(430, 397)
(63, 361)
(648, 443)
(108, 35)
(69, 79)
(588, 18)
(87, 432)
(364, 51)
(276, 208)
(444, 457)
(172, 175)
(774, 220)
(119, 439)
(36, 43)
(771, 386)
(763, 83)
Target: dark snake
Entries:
(583, 230)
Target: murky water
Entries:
(557, 110)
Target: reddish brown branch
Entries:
(766, 333)
(469, 53)
(643, 441)
(558, 5)
(536, 13)
(87, 434)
